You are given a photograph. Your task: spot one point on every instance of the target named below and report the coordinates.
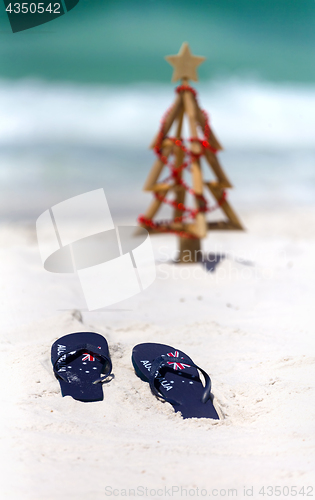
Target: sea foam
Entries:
(68, 138)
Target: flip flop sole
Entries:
(178, 381)
(80, 370)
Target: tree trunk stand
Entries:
(189, 250)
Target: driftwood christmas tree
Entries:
(180, 156)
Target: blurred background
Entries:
(82, 96)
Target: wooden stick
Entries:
(189, 250)
(180, 192)
(197, 177)
(217, 192)
(180, 123)
(180, 155)
(160, 186)
(180, 198)
(190, 110)
(210, 156)
(168, 148)
(156, 170)
(201, 225)
(223, 225)
(217, 169)
(176, 109)
(155, 205)
(192, 229)
(170, 227)
(213, 141)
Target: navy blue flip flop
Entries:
(79, 360)
(174, 377)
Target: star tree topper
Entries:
(185, 64)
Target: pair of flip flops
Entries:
(81, 363)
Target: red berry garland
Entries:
(175, 175)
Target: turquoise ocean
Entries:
(81, 97)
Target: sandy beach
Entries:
(248, 324)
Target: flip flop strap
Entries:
(82, 348)
(164, 360)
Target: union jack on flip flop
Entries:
(176, 365)
(88, 357)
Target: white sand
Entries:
(249, 324)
